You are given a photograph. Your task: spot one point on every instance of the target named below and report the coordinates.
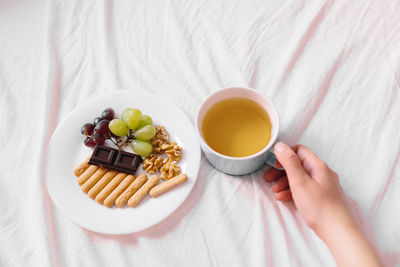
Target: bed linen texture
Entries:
(332, 68)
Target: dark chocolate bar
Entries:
(115, 159)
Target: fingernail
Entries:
(279, 147)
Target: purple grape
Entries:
(87, 129)
(89, 142)
(97, 120)
(102, 127)
(108, 114)
(98, 139)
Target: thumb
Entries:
(291, 162)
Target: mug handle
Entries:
(271, 160)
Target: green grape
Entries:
(118, 127)
(143, 148)
(146, 133)
(146, 120)
(131, 117)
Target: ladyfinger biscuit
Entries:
(141, 193)
(93, 179)
(123, 198)
(89, 172)
(82, 167)
(110, 200)
(101, 183)
(110, 187)
(168, 185)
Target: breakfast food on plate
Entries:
(115, 159)
(104, 193)
(135, 129)
(93, 179)
(167, 167)
(82, 167)
(98, 131)
(152, 164)
(110, 200)
(108, 176)
(168, 185)
(142, 192)
(143, 148)
(161, 137)
(105, 180)
(86, 175)
(110, 187)
(128, 193)
(133, 125)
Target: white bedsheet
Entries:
(331, 67)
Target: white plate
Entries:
(66, 151)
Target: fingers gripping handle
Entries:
(271, 160)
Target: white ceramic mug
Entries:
(239, 165)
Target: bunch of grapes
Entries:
(135, 129)
(132, 128)
(98, 131)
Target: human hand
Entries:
(320, 200)
(312, 185)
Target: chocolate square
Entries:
(103, 155)
(114, 159)
(127, 161)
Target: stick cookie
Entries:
(89, 172)
(168, 185)
(141, 193)
(93, 179)
(82, 167)
(106, 191)
(110, 200)
(127, 194)
(95, 190)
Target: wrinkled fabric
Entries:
(332, 68)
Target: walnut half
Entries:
(159, 139)
(173, 151)
(152, 164)
(169, 169)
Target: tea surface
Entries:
(236, 127)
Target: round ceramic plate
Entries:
(66, 151)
